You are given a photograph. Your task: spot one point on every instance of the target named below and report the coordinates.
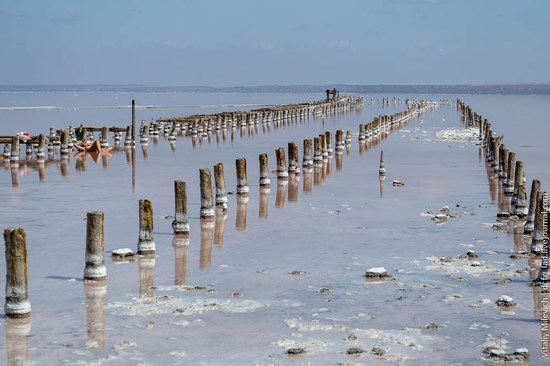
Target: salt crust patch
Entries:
(312, 346)
(180, 307)
(313, 326)
(462, 135)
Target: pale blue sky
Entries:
(257, 42)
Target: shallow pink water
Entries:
(371, 230)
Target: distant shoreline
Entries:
(519, 88)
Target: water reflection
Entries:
(14, 175)
(219, 231)
(207, 238)
(17, 340)
(146, 264)
(281, 193)
(242, 205)
(293, 180)
(180, 243)
(308, 180)
(95, 313)
(264, 200)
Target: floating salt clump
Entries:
(121, 253)
(505, 301)
(377, 272)
(398, 183)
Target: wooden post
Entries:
(282, 173)
(95, 269)
(242, 180)
(105, 137)
(128, 137)
(133, 122)
(293, 158)
(144, 139)
(146, 243)
(264, 171)
(339, 140)
(503, 171)
(382, 170)
(308, 153)
(537, 241)
(14, 156)
(317, 152)
(521, 208)
(7, 152)
(328, 142)
(219, 179)
(530, 223)
(518, 180)
(17, 297)
(207, 204)
(180, 225)
(509, 186)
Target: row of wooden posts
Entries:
(511, 176)
(66, 137)
(314, 152)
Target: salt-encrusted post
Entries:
(180, 225)
(14, 156)
(264, 171)
(95, 269)
(17, 297)
(308, 152)
(146, 243)
(40, 153)
(530, 223)
(509, 186)
(64, 150)
(518, 180)
(133, 123)
(207, 203)
(328, 142)
(282, 173)
(242, 181)
(293, 158)
(219, 179)
(382, 170)
(105, 137)
(521, 208)
(317, 149)
(537, 242)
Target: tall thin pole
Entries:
(133, 122)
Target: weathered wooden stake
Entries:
(282, 173)
(146, 243)
(180, 225)
(95, 269)
(328, 142)
(14, 156)
(530, 223)
(521, 208)
(207, 204)
(537, 242)
(509, 186)
(293, 158)
(264, 171)
(17, 297)
(242, 180)
(382, 170)
(308, 153)
(518, 180)
(219, 180)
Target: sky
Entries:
(277, 42)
